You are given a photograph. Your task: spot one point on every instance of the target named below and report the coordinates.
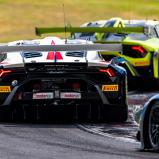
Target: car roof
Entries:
(94, 23)
(127, 22)
(140, 22)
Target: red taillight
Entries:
(138, 49)
(3, 72)
(109, 71)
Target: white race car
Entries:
(57, 72)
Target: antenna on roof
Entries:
(130, 7)
(64, 18)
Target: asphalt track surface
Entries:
(69, 141)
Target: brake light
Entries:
(138, 49)
(3, 72)
(109, 71)
(134, 51)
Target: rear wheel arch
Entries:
(145, 137)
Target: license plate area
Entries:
(57, 95)
(70, 95)
(43, 95)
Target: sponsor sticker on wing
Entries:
(110, 87)
(44, 95)
(70, 95)
(5, 89)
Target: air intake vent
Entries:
(32, 54)
(75, 54)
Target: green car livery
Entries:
(140, 44)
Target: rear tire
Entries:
(151, 128)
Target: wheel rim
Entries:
(154, 126)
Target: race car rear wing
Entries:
(65, 47)
(33, 68)
(46, 48)
(39, 31)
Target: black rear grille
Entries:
(56, 84)
(144, 71)
(55, 67)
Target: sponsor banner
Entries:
(5, 89)
(43, 95)
(70, 95)
(110, 88)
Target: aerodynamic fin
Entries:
(40, 31)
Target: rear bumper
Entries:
(85, 97)
(91, 94)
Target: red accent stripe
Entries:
(59, 56)
(50, 55)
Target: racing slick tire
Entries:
(151, 128)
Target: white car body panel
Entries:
(17, 59)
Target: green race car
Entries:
(140, 54)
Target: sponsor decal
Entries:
(5, 89)
(70, 95)
(142, 63)
(48, 95)
(110, 87)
